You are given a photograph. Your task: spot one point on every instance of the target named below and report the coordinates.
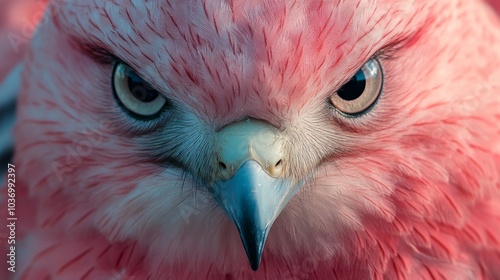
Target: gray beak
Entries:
(253, 200)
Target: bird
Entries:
(210, 139)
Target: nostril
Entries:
(222, 165)
(278, 164)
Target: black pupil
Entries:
(141, 90)
(353, 89)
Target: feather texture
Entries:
(409, 190)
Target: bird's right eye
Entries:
(134, 94)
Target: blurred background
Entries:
(18, 19)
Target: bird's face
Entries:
(174, 121)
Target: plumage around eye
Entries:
(134, 94)
(359, 93)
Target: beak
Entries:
(253, 200)
(252, 187)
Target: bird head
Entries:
(195, 126)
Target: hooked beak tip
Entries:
(255, 265)
(253, 240)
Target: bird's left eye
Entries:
(134, 94)
(359, 93)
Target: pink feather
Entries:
(412, 191)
